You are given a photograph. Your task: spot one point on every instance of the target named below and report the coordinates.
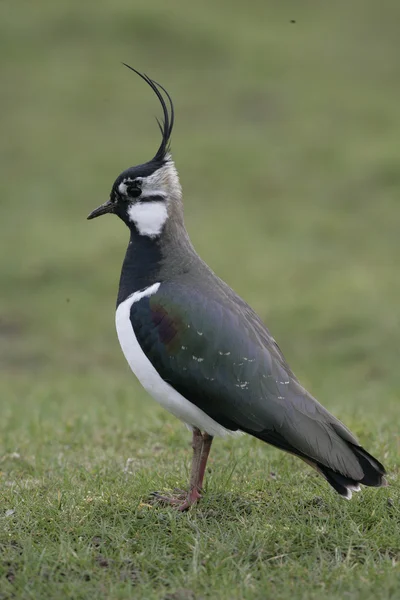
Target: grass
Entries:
(287, 142)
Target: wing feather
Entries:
(223, 359)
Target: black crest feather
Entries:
(168, 121)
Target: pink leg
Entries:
(183, 502)
(207, 441)
(194, 492)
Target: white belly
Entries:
(161, 391)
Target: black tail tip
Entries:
(374, 474)
(374, 471)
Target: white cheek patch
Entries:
(149, 217)
(122, 188)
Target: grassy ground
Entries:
(287, 142)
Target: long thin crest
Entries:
(168, 121)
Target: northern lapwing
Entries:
(200, 350)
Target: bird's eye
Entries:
(133, 190)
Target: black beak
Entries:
(103, 209)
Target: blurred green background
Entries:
(287, 141)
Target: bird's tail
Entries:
(343, 462)
(373, 470)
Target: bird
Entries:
(200, 350)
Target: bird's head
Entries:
(145, 196)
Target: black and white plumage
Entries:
(200, 350)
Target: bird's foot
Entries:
(175, 499)
(181, 500)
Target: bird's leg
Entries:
(184, 501)
(207, 441)
(201, 445)
(194, 490)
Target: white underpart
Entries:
(351, 489)
(149, 217)
(161, 391)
